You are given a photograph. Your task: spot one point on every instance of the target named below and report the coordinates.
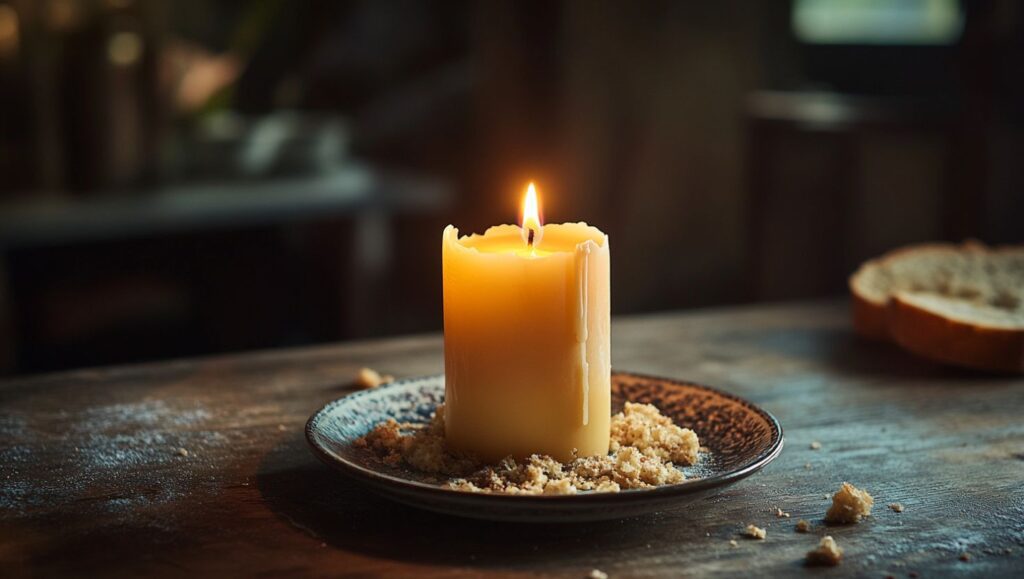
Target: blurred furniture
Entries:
(835, 179)
(94, 483)
(207, 268)
(178, 177)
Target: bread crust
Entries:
(870, 316)
(953, 342)
(929, 334)
(869, 319)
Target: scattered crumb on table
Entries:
(755, 532)
(827, 554)
(597, 574)
(181, 452)
(781, 513)
(282, 427)
(803, 526)
(368, 378)
(897, 507)
(734, 543)
(965, 557)
(815, 445)
(849, 504)
(807, 466)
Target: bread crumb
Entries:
(281, 427)
(559, 487)
(755, 532)
(849, 504)
(421, 446)
(807, 466)
(182, 452)
(815, 445)
(780, 513)
(897, 507)
(368, 378)
(803, 526)
(643, 427)
(965, 557)
(734, 543)
(827, 554)
(645, 443)
(597, 574)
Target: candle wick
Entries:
(529, 239)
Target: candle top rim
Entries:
(559, 238)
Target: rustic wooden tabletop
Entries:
(92, 480)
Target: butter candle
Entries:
(527, 339)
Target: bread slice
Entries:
(958, 304)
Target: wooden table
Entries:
(92, 481)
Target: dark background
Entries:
(186, 177)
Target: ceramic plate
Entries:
(741, 438)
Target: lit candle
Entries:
(527, 339)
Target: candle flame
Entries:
(531, 217)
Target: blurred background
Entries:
(189, 177)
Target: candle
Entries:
(527, 339)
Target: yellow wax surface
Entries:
(527, 341)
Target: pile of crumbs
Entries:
(645, 447)
(643, 427)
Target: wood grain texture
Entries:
(91, 481)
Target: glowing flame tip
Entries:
(531, 216)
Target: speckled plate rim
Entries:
(374, 478)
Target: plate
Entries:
(740, 437)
